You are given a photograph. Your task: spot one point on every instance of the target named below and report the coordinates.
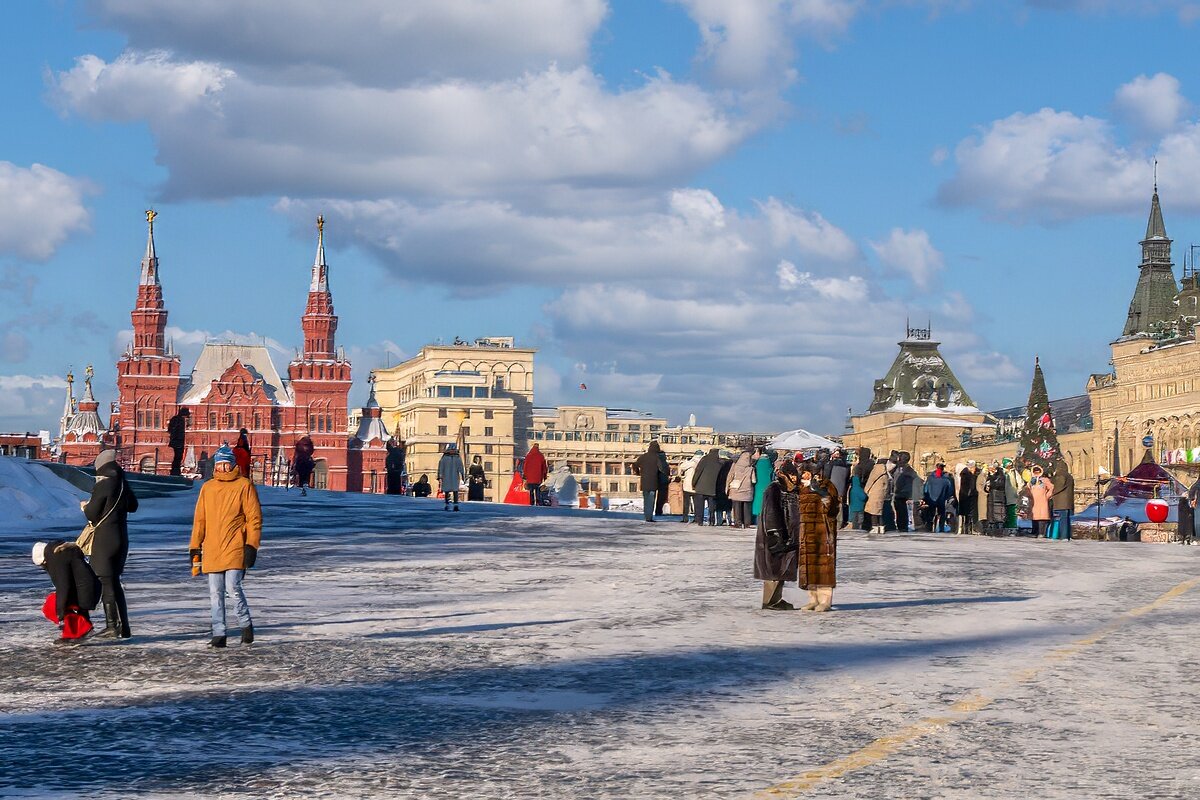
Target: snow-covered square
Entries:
(404, 651)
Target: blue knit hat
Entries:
(224, 455)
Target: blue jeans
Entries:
(648, 498)
(219, 583)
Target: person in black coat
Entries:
(476, 479)
(75, 584)
(422, 488)
(176, 436)
(111, 502)
(664, 483)
(646, 467)
(723, 504)
(704, 486)
(394, 464)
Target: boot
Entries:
(248, 634)
(110, 622)
(813, 601)
(217, 641)
(825, 598)
(782, 605)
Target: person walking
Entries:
(1013, 484)
(108, 510)
(764, 471)
(476, 479)
(393, 463)
(879, 489)
(226, 534)
(450, 474)
(819, 507)
(76, 587)
(704, 486)
(535, 474)
(1062, 502)
(303, 464)
(777, 538)
(739, 487)
(939, 489)
(1040, 490)
(646, 468)
(177, 438)
(241, 452)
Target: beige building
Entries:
(479, 394)
(1153, 390)
(601, 444)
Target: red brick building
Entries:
(231, 386)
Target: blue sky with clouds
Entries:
(726, 208)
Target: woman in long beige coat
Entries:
(879, 493)
(739, 487)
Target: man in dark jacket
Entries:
(704, 486)
(906, 481)
(75, 585)
(939, 490)
(664, 484)
(394, 464)
(647, 468)
(1062, 502)
(176, 438)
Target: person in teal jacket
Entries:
(764, 473)
(858, 503)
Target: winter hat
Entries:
(106, 457)
(1006, 463)
(450, 448)
(970, 462)
(39, 554)
(224, 455)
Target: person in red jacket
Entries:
(535, 474)
(241, 452)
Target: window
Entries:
(441, 430)
(158, 419)
(466, 430)
(487, 413)
(443, 391)
(609, 436)
(257, 421)
(612, 426)
(487, 450)
(228, 419)
(312, 422)
(329, 422)
(499, 383)
(487, 466)
(634, 426)
(441, 413)
(633, 487)
(655, 428)
(481, 391)
(212, 420)
(613, 486)
(239, 420)
(462, 391)
(487, 431)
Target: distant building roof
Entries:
(1070, 414)
(216, 357)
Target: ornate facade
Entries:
(231, 386)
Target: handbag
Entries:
(88, 537)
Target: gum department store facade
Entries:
(1153, 389)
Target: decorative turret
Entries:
(68, 414)
(1153, 305)
(149, 313)
(86, 425)
(920, 379)
(319, 321)
(371, 430)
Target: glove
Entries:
(249, 554)
(193, 554)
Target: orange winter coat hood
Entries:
(228, 517)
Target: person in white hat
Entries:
(451, 474)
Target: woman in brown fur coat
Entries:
(819, 505)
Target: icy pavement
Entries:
(498, 652)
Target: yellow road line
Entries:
(959, 711)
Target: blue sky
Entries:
(726, 208)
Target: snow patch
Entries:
(30, 491)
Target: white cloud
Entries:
(189, 342)
(29, 403)
(40, 208)
(808, 232)
(366, 42)
(1151, 105)
(987, 366)
(851, 289)
(910, 253)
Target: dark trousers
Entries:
(176, 460)
(660, 500)
(743, 512)
(448, 495)
(940, 518)
(687, 505)
(1039, 528)
(648, 496)
(901, 508)
(702, 500)
(968, 510)
(113, 595)
(535, 494)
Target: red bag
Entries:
(75, 626)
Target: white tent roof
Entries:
(801, 439)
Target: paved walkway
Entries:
(404, 652)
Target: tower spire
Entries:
(68, 406)
(150, 260)
(319, 322)
(320, 270)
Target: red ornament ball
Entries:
(1157, 510)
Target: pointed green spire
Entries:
(1039, 441)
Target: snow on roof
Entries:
(216, 357)
(939, 422)
(911, 408)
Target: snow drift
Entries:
(30, 491)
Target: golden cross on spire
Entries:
(371, 378)
(150, 215)
(320, 224)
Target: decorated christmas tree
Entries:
(1039, 442)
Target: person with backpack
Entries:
(226, 535)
